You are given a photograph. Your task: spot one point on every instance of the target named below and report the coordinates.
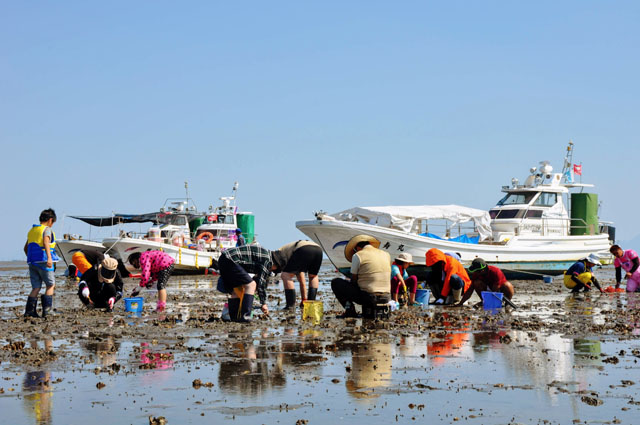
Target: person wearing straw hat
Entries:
(400, 278)
(293, 260)
(486, 278)
(448, 279)
(370, 271)
(101, 287)
(580, 274)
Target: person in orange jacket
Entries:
(448, 278)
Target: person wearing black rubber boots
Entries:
(293, 260)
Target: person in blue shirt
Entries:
(240, 239)
(580, 275)
(401, 279)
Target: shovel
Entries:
(505, 300)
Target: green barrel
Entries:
(584, 214)
(246, 221)
(194, 223)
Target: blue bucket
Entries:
(422, 296)
(491, 300)
(133, 304)
(547, 279)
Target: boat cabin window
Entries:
(178, 220)
(546, 199)
(516, 198)
(534, 214)
(506, 214)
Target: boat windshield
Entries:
(517, 198)
(174, 219)
(546, 199)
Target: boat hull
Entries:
(186, 260)
(521, 256)
(66, 248)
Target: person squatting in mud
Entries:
(155, 266)
(86, 259)
(235, 264)
(293, 260)
(101, 287)
(580, 275)
(448, 279)
(486, 278)
(369, 283)
(400, 279)
(628, 261)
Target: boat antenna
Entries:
(186, 188)
(566, 167)
(235, 192)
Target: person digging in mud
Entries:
(629, 262)
(448, 279)
(400, 279)
(580, 275)
(486, 278)
(90, 258)
(294, 259)
(101, 287)
(235, 264)
(156, 266)
(370, 271)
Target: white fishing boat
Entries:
(194, 239)
(530, 232)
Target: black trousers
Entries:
(99, 293)
(345, 291)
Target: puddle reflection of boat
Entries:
(529, 232)
(370, 370)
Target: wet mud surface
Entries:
(558, 358)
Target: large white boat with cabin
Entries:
(529, 233)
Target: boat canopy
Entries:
(404, 217)
(115, 219)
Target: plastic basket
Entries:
(547, 279)
(422, 296)
(491, 300)
(134, 304)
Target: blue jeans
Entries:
(39, 275)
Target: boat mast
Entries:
(568, 161)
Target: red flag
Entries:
(577, 169)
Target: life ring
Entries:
(205, 236)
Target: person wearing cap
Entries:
(400, 278)
(580, 274)
(293, 260)
(101, 287)
(448, 279)
(235, 264)
(370, 271)
(240, 239)
(155, 266)
(486, 278)
(628, 261)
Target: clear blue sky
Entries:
(111, 106)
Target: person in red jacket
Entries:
(486, 278)
(448, 279)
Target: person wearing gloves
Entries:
(101, 287)
(293, 260)
(235, 264)
(448, 279)
(400, 278)
(629, 262)
(370, 271)
(486, 278)
(580, 274)
(155, 266)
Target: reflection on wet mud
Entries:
(38, 390)
(105, 348)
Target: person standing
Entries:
(448, 279)
(155, 266)
(293, 260)
(40, 250)
(370, 271)
(486, 278)
(235, 264)
(580, 274)
(101, 287)
(240, 239)
(629, 262)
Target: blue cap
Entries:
(238, 230)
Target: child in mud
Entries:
(627, 260)
(156, 266)
(400, 278)
(40, 250)
(580, 275)
(101, 287)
